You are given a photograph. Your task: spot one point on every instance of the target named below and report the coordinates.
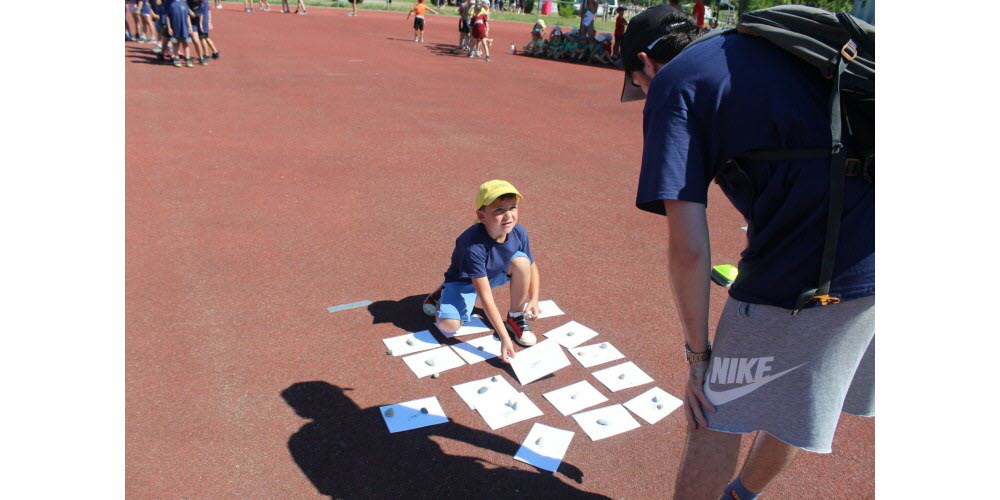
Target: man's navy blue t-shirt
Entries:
(477, 255)
(732, 94)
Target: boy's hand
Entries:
(506, 350)
(531, 309)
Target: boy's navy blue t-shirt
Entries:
(732, 94)
(477, 255)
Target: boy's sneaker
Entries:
(189, 63)
(203, 61)
(178, 63)
(248, 10)
(520, 329)
(216, 55)
(432, 301)
(487, 58)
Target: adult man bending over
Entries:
(786, 377)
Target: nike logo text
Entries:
(740, 371)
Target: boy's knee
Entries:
(448, 325)
(520, 264)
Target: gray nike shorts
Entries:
(792, 376)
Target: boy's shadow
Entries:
(347, 452)
(407, 314)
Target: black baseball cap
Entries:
(642, 32)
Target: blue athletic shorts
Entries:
(458, 298)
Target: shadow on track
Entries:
(446, 49)
(142, 55)
(347, 452)
(520, 53)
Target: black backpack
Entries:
(842, 48)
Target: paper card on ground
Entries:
(547, 309)
(653, 405)
(622, 376)
(433, 361)
(575, 397)
(407, 416)
(476, 350)
(411, 343)
(475, 325)
(545, 447)
(501, 412)
(595, 354)
(606, 422)
(538, 361)
(571, 334)
(496, 387)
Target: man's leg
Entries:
(768, 457)
(709, 462)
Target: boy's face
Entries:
(499, 217)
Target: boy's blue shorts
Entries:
(458, 298)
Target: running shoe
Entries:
(216, 55)
(248, 10)
(520, 329)
(203, 61)
(178, 63)
(432, 301)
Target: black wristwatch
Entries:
(697, 357)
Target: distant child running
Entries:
(493, 252)
(620, 25)
(480, 30)
(420, 9)
(464, 18)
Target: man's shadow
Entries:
(348, 452)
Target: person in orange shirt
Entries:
(420, 8)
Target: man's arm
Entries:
(689, 266)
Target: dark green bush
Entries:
(529, 5)
(565, 10)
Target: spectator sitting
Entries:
(556, 44)
(570, 47)
(583, 48)
(601, 49)
(536, 47)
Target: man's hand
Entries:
(506, 350)
(695, 401)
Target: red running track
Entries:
(327, 159)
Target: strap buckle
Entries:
(849, 51)
(825, 300)
(861, 167)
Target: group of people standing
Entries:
(174, 27)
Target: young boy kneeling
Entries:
(491, 253)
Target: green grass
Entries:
(449, 10)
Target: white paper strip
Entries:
(495, 387)
(538, 361)
(596, 354)
(502, 412)
(576, 397)
(545, 447)
(548, 309)
(411, 343)
(475, 325)
(481, 349)
(571, 334)
(606, 422)
(434, 361)
(653, 405)
(622, 376)
(413, 414)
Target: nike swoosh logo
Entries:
(723, 397)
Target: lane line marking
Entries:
(352, 305)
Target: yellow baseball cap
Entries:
(489, 191)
